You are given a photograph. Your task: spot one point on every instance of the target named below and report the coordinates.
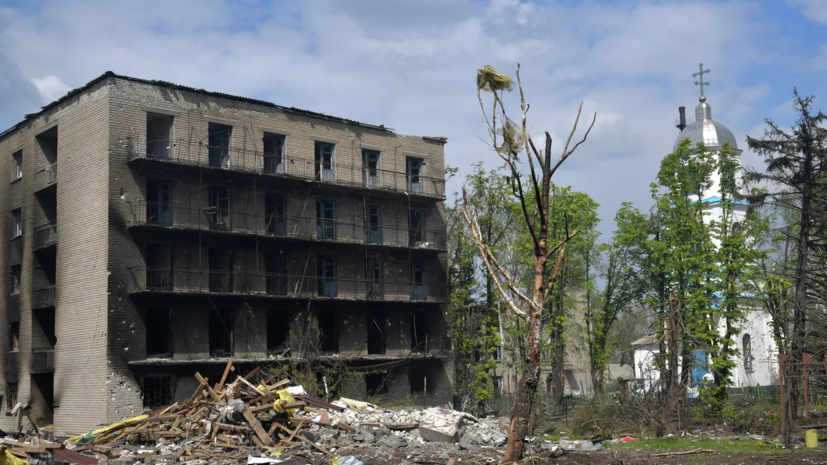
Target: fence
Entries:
(230, 158)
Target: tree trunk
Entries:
(521, 412)
(597, 383)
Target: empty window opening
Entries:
(221, 269)
(158, 203)
(159, 135)
(47, 141)
(275, 214)
(17, 165)
(43, 333)
(157, 391)
(16, 223)
(158, 333)
(275, 265)
(328, 333)
(413, 170)
(375, 278)
(327, 276)
(420, 332)
(416, 227)
(158, 266)
(221, 333)
(324, 161)
(370, 167)
(747, 352)
(14, 336)
(218, 210)
(498, 384)
(11, 397)
(326, 219)
(416, 379)
(219, 145)
(419, 291)
(376, 383)
(273, 153)
(16, 276)
(374, 224)
(377, 333)
(278, 329)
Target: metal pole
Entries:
(426, 391)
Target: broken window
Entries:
(416, 227)
(158, 333)
(157, 391)
(747, 352)
(11, 397)
(278, 329)
(218, 144)
(413, 170)
(374, 224)
(419, 291)
(420, 332)
(496, 354)
(326, 219)
(221, 269)
(377, 326)
(221, 333)
(370, 167)
(376, 383)
(326, 265)
(158, 203)
(159, 138)
(159, 266)
(498, 384)
(275, 265)
(273, 153)
(416, 379)
(275, 214)
(17, 165)
(324, 161)
(14, 336)
(16, 223)
(218, 210)
(16, 276)
(328, 333)
(375, 281)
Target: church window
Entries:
(747, 352)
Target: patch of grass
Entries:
(672, 444)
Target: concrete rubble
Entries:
(257, 422)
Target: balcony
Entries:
(45, 176)
(44, 236)
(155, 214)
(276, 285)
(43, 298)
(182, 152)
(43, 360)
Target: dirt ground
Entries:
(440, 453)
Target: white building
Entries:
(757, 362)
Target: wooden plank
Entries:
(251, 386)
(257, 428)
(261, 408)
(319, 448)
(250, 374)
(166, 410)
(220, 386)
(320, 403)
(230, 427)
(345, 427)
(197, 392)
(207, 387)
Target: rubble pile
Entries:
(261, 422)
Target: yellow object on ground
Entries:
(108, 428)
(811, 439)
(284, 397)
(8, 459)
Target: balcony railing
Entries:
(297, 227)
(251, 161)
(42, 360)
(43, 297)
(51, 172)
(150, 279)
(44, 236)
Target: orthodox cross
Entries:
(701, 74)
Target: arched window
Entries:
(736, 226)
(747, 352)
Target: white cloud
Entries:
(816, 10)
(51, 88)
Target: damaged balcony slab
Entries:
(322, 358)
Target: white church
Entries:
(757, 362)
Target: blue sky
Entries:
(411, 65)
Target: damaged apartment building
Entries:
(152, 231)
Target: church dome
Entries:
(712, 133)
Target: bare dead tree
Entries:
(509, 140)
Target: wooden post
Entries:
(426, 391)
